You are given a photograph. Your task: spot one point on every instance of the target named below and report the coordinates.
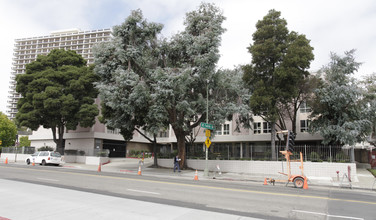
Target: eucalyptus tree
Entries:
(339, 109)
(57, 93)
(125, 66)
(188, 73)
(369, 84)
(280, 62)
(148, 82)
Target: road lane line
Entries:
(200, 186)
(140, 191)
(331, 216)
(53, 180)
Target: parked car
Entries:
(44, 157)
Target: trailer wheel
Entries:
(298, 182)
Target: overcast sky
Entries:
(332, 26)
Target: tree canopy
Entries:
(8, 131)
(57, 92)
(339, 111)
(280, 62)
(156, 82)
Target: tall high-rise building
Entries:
(26, 51)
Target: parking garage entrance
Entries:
(116, 148)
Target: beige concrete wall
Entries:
(86, 145)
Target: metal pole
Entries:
(206, 171)
(330, 153)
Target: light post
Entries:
(206, 170)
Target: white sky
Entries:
(332, 26)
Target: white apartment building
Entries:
(26, 51)
(242, 144)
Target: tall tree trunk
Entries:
(273, 133)
(180, 136)
(59, 141)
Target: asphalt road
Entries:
(164, 198)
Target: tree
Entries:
(187, 72)
(280, 60)
(8, 131)
(369, 83)
(24, 141)
(151, 83)
(57, 92)
(339, 110)
(125, 65)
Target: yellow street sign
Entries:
(207, 133)
(1, 142)
(208, 142)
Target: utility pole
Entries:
(206, 170)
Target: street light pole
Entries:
(206, 170)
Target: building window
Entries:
(304, 108)
(226, 129)
(257, 128)
(304, 125)
(223, 130)
(163, 133)
(219, 131)
(267, 127)
(113, 131)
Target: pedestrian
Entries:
(176, 163)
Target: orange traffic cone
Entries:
(6, 160)
(196, 175)
(305, 185)
(139, 170)
(100, 167)
(33, 163)
(265, 182)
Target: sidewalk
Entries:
(363, 180)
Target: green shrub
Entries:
(341, 157)
(46, 148)
(70, 152)
(81, 153)
(373, 171)
(315, 157)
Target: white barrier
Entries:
(319, 169)
(66, 158)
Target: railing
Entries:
(229, 151)
(18, 150)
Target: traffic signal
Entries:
(290, 141)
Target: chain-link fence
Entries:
(18, 150)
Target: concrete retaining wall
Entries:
(85, 159)
(12, 157)
(268, 167)
(66, 158)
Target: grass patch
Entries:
(373, 171)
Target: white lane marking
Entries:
(48, 179)
(140, 191)
(331, 216)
